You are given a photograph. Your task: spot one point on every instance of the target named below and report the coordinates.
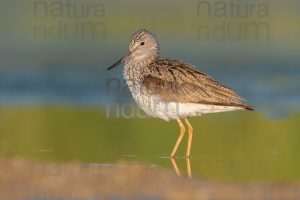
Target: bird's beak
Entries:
(123, 59)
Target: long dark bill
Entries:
(118, 62)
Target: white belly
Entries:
(158, 108)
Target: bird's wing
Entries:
(178, 81)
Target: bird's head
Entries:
(143, 45)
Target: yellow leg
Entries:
(188, 151)
(182, 130)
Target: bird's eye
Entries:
(142, 43)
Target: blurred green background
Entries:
(58, 102)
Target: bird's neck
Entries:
(136, 67)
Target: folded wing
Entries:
(178, 81)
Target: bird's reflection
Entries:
(188, 167)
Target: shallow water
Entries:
(238, 147)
